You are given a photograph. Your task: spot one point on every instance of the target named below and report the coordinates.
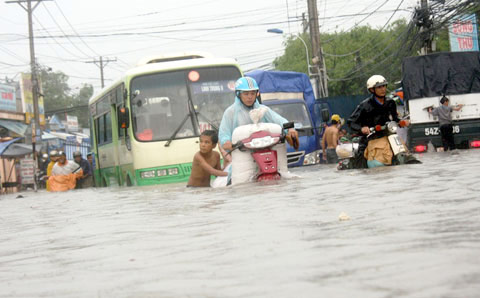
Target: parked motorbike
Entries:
(350, 156)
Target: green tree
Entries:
(57, 95)
(81, 100)
(294, 58)
(352, 57)
(55, 90)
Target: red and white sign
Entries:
(27, 170)
(463, 33)
(72, 123)
(7, 98)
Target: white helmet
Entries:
(376, 81)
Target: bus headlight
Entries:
(147, 174)
(161, 173)
(173, 171)
(312, 158)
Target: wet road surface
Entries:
(414, 231)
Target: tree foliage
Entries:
(352, 57)
(58, 95)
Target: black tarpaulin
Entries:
(441, 74)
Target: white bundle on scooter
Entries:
(257, 114)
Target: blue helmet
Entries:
(246, 84)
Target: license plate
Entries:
(435, 131)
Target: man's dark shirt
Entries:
(87, 169)
(371, 113)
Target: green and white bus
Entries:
(146, 125)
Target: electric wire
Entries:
(64, 34)
(370, 42)
(70, 24)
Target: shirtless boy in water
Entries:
(206, 162)
(330, 140)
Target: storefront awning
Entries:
(15, 126)
(4, 145)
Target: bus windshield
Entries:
(294, 112)
(187, 101)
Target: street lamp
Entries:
(280, 31)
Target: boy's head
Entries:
(444, 100)
(208, 141)
(212, 134)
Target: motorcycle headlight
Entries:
(262, 142)
(392, 126)
(312, 158)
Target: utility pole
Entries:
(425, 23)
(318, 61)
(304, 23)
(35, 90)
(101, 63)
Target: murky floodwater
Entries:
(414, 232)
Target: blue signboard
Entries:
(8, 101)
(463, 33)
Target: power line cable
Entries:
(55, 40)
(13, 54)
(374, 59)
(78, 35)
(64, 34)
(356, 25)
(370, 41)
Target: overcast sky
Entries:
(70, 33)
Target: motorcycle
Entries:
(350, 157)
(259, 153)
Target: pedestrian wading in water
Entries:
(206, 162)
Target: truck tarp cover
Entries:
(284, 81)
(441, 74)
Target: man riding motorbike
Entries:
(374, 150)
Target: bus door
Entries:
(107, 158)
(123, 146)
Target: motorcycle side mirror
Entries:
(123, 118)
(325, 115)
(288, 125)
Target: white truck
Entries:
(425, 80)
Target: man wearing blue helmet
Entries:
(246, 99)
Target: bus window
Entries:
(160, 105)
(103, 125)
(100, 125)
(212, 93)
(108, 127)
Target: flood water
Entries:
(414, 231)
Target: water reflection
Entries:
(414, 231)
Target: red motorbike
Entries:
(265, 143)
